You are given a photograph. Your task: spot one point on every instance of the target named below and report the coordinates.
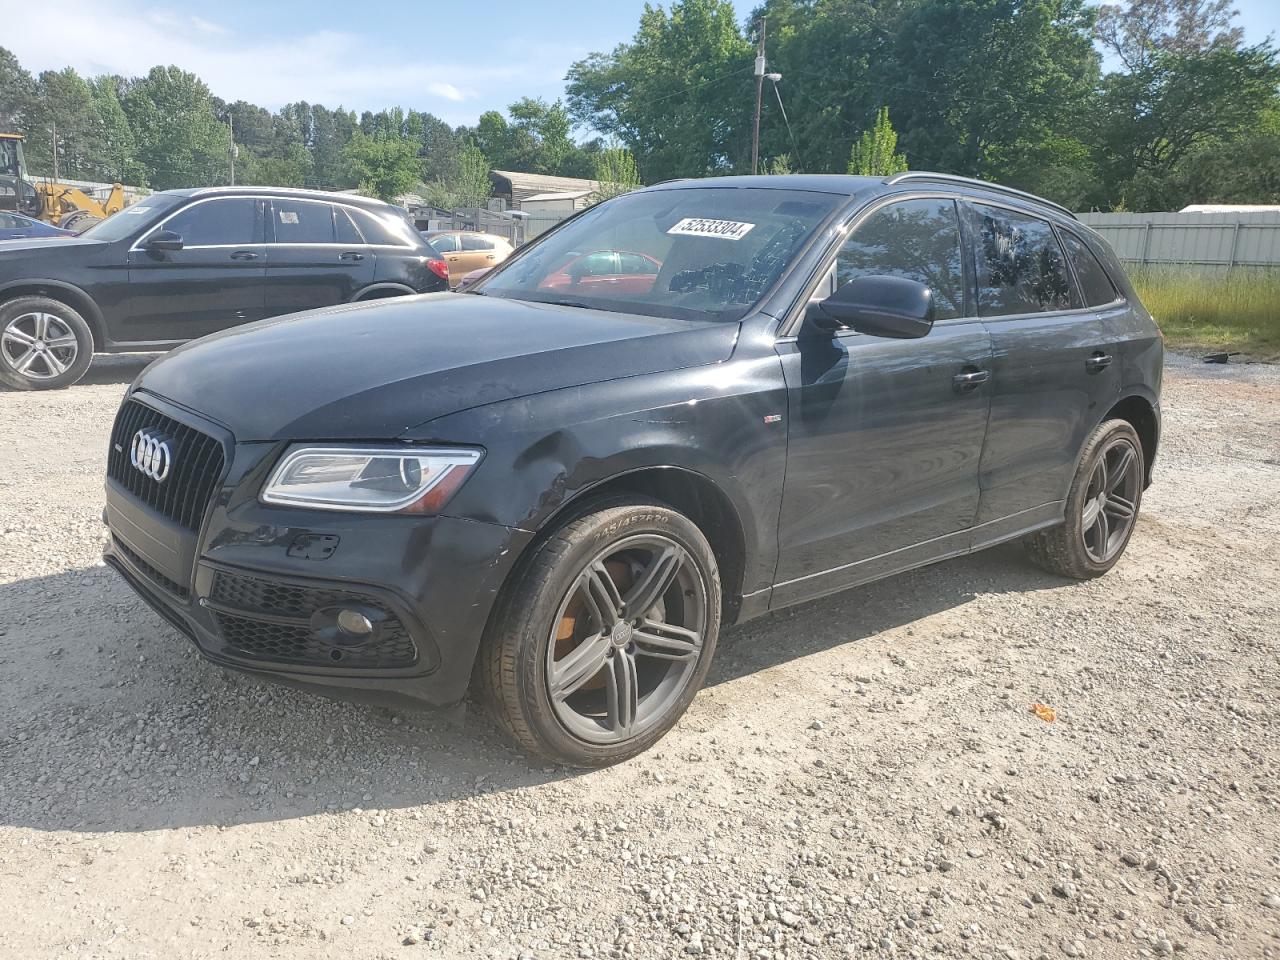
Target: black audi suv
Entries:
(557, 489)
(185, 263)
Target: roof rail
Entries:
(974, 182)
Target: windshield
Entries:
(694, 253)
(129, 220)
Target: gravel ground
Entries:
(862, 776)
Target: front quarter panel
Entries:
(546, 450)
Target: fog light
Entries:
(355, 623)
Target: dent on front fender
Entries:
(725, 422)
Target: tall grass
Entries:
(1198, 310)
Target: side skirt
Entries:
(956, 544)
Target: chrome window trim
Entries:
(135, 248)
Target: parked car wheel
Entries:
(606, 635)
(1102, 507)
(44, 344)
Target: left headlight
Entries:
(370, 479)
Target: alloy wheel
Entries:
(39, 346)
(1110, 502)
(627, 639)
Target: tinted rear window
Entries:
(1021, 268)
(303, 221)
(1094, 282)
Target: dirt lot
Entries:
(863, 775)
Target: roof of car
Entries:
(352, 198)
(849, 185)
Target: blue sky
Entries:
(452, 58)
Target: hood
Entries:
(374, 370)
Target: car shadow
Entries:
(109, 721)
(118, 367)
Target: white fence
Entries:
(1218, 242)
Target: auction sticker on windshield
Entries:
(724, 229)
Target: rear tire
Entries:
(1102, 507)
(44, 344)
(589, 659)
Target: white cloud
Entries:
(320, 65)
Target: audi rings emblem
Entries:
(150, 454)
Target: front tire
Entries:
(604, 637)
(1102, 507)
(44, 344)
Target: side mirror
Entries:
(164, 240)
(878, 306)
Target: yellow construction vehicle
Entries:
(61, 204)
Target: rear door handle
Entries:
(970, 379)
(244, 255)
(349, 255)
(1098, 361)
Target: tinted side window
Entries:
(915, 239)
(1094, 282)
(471, 242)
(379, 229)
(347, 232)
(445, 242)
(603, 264)
(7, 221)
(230, 221)
(1021, 268)
(299, 221)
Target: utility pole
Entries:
(760, 67)
(55, 150)
(231, 122)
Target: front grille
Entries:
(247, 636)
(197, 464)
(151, 573)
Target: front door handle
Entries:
(970, 379)
(350, 255)
(1097, 362)
(244, 255)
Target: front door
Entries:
(315, 257)
(1052, 371)
(214, 282)
(885, 435)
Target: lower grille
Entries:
(150, 572)
(246, 635)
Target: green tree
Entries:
(677, 95)
(115, 152)
(876, 153)
(17, 93)
(615, 173)
(180, 141)
(779, 166)
(384, 165)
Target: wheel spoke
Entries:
(14, 335)
(666, 641)
(1119, 508)
(1102, 533)
(23, 363)
(623, 689)
(61, 343)
(42, 325)
(601, 594)
(653, 582)
(579, 665)
(1121, 470)
(1089, 515)
(53, 364)
(1100, 475)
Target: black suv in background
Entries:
(185, 263)
(560, 490)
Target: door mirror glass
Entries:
(164, 240)
(879, 306)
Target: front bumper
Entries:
(257, 588)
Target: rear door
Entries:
(478, 252)
(215, 281)
(315, 256)
(11, 228)
(1052, 375)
